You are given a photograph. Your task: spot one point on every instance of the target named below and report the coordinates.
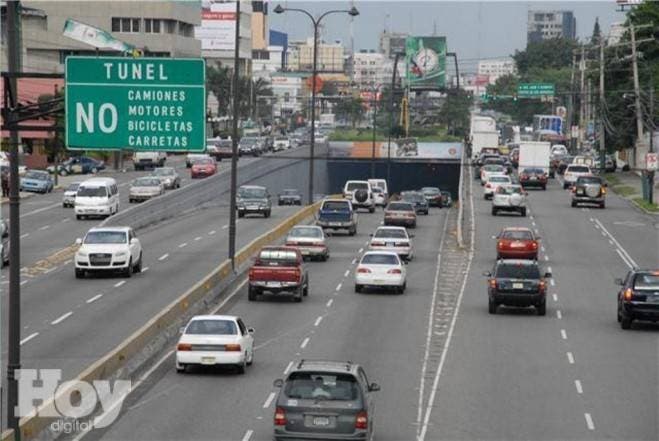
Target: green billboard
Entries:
(139, 104)
(426, 62)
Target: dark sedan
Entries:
(515, 282)
(417, 199)
(533, 177)
(638, 298)
(289, 197)
(433, 195)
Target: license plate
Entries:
(207, 360)
(517, 245)
(335, 224)
(581, 192)
(252, 207)
(304, 252)
(273, 284)
(379, 281)
(321, 421)
(533, 178)
(518, 286)
(391, 244)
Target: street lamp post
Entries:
(316, 22)
(391, 116)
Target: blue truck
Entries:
(337, 214)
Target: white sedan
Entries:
(491, 169)
(310, 240)
(381, 269)
(213, 340)
(394, 239)
(493, 183)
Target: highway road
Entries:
(448, 369)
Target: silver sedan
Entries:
(143, 189)
(168, 176)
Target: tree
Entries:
(455, 112)
(351, 109)
(520, 110)
(547, 54)
(218, 82)
(597, 33)
(330, 88)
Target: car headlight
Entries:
(81, 254)
(120, 254)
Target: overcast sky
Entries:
(474, 29)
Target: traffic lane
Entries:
(282, 327)
(87, 334)
(618, 369)
(506, 375)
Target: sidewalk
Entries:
(628, 186)
(63, 182)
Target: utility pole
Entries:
(652, 130)
(234, 144)
(589, 102)
(637, 93)
(601, 109)
(570, 103)
(14, 334)
(582, 97)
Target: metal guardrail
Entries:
(461, 199)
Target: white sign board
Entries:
(651, 161)
(218, 26)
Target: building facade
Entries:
(163, 28)
(330, 56)
(371, 69)
(494, 69)
(392, 43)
(547, 25)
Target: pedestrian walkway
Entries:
(629, 186)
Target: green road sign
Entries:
(535, 89)
(141, 104)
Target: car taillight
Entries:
(488, 185)
(394, 271)
(363, 270)
(542, 285)
(500, 244)
(232, 347)
(361, 422)
(523, 177)
(402, 244)
(377, 243)
(534, 245)
(298, 273)
(280, 417)
(493, 283)
(184, 347)
(628, 294)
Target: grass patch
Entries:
(625, 190)
(365, 135)
(612, 179)
(653, 208)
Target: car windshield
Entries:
(578, 169)
(589, 180)
(73, 187)
(517, 271)
(290, 192)
(380, 259)
(248, 141)
(517, 235)
(163, 172)
(336, 206)
(647, 281)
(509, 189)
(104, 237)
(398, 206)
(146, 182)
(202, 161)
(322, 386)
(306, 232)
(212, 327)
(430, 190)
(352, 186)
(413, 197)
(499, 179)
(39, 176)
(392, 233)
(533, 171)
(251, 193)
(493, 168)
(98, 192)
(277, 257)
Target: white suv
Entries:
(573, 172)
(360, 193)
(509, 197)
(108, 249)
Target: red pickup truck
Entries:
(278, 270)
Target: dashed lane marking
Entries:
(354, 261)
(551, 282)
(61, 318)
(360, 250)
(248, 435)
(45, 227)
(198, 238)
(145, 269)
(577, 384)
(28, 338)
(183, 245)
(288, 367)
(118, 284)
(563, 334)
(329, 302)
(559, 314)
(318, 320)
(210, 233)
(347, 273)
(224, 227)
(338, 287)
(93, 299)
(23, 236)
(570, 358)
(305, 342)
(268, 401)
(589, 421)
(23, 282)
(163, 257)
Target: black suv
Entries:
(589, 190)
(515, 282)
(638, 298)
(417, 199)
(321, 399)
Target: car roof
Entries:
(252, 186)
(515, 229)
(316, 227)
(214, 317)
(121, 229)
(325, 365)
(391, 228)
(518, 262)
(388, 253)
(99, 181)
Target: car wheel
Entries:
(542, 308)
(352, 231)
(79, 216)
(94, 170)
(494, 211)
(619, 314)
(573, 204)
(492, 306)
(544, 187)
(401, 289)
(267, 214)
(63, 173)
(523, 212)
(80, 274)
(241, 368)
(603, 205)
(565, 185)
(138, 266)
(128, 272)
(181, 368)
(625, 322)
(252, 293)
(371, 209)
(299, 293)
(250, 359)
(358, 288)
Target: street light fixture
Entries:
(353, 12)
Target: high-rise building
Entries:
(371, 69)
(496, 68)
(616, 32)
(391, 43)
(260, 27)
(330, 56)
(546, 25)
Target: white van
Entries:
(380, 183)
(97, 197)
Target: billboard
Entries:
(426, 62)
(218, 26)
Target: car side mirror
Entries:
(181, 330)
(619, 281)
(548, 275)
(605, 185)
(78, 241)
(250, 330)
(373, 387)
(278, 382)
(370, 234)
(487, 274)
(405, 262)
(134, 241)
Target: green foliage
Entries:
(597, 33)
(547, 54)
(351, 109)
(651, 207)
(219, 82)
(455, 112)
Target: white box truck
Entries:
(534, 154)
(483, 133)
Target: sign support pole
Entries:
(234, 144)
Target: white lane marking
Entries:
(318, 320)
(549, 269)
(224, 227)
(66, 262)
(288, 368)
(531, 217)
(50, 270)
(230, 296)
(559, 314)
(570, 358)
(268, 401)
(542, 249)
(360, 250)
(197, 238)
(329, 302)
(45, 227)
(563, 334)
(47, 207)
(617, 243)
(354, 261)
(183, 245)
(536, 231)
(546, 258)
(211, 232)
(118, 284)
(577, 384)
(589, 421)
(28, 338)
(347, 273)
(23, 282)
(611, 242)
(305, 342)
(145, 269)
(61, 318)
(23, 236)
(338, 287)
(551, 281)
(93, 299)
(65, 220)
(592, 220)
(248, 435)
(603, 234)
(624, 259)
(163, 257)
(597, 226)
(533, 223)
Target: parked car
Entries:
(400, 213)
(517, 243)
(511, 197)
(78, 165)
(168, 176)
(638, 297)
(433, 195)
(253, 199)
(108, 249)
(37, 181)
(215, 340)
(289, 197)
(145, 188)
(418, 200)
(203, 167)
(381, 269)
(337, 214)
(4, 243)
(69, 198)
(514, 282)
(277, 270)
(309, 240)
(325, 400)
(589, 190)
(533, 177)
(394, 239)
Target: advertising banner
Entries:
(426, 62)
(92, 36)
(218, 26)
